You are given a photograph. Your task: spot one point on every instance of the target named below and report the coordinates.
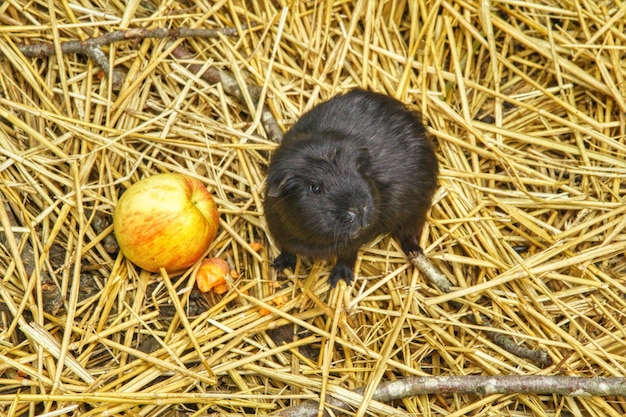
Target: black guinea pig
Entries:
(354, 167)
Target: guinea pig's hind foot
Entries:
(341, 271)
(283, 261)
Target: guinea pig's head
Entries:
(317, 191)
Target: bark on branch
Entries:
(478, 385)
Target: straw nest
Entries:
(525, 103)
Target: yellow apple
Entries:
(166, 220)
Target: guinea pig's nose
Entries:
(357, 217)
(352, 214)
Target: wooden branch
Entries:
(82, 47)
(539, 357)
(468, 384)
(232, 87)
(91, 47)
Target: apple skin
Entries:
(166, 220)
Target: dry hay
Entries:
(526, 104)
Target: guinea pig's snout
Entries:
(356, 219)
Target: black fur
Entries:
(353, 167)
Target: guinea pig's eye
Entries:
(315, 189)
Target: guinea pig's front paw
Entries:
(341, 271)
(283, 261)
(410, 244)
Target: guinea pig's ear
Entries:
(363, 159)
(276, 188)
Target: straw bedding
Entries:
(525, 102)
